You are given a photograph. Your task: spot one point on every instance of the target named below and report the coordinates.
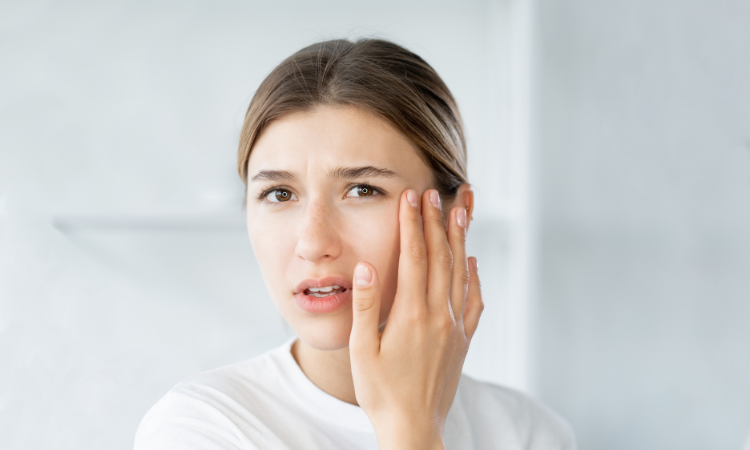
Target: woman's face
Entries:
(323, 194)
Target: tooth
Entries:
(326, 289)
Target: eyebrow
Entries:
(273, 175)
(361, 172)
(346, 173)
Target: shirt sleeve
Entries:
(500, 417)
(550, 431)
(180, 422)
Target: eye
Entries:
(361, 190)
(279, 196)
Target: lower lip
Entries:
(323, 304)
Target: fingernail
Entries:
(435, 199)
(363, 275)
(411, 197)
(474, 264)
(461, 217)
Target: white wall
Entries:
(642, 138)
(124, 264)
(119, 123)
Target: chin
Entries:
(325, 334)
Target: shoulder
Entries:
(178, 418)
(498, 409)
(217, 409)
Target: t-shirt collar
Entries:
(321, 404)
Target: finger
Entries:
(365, 339)
(412, 263)
(474, 304)
(439, 256)
(457, 241)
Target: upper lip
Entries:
(304, 285)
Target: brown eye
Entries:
(283, 196)
(279, 196)
(360, 191)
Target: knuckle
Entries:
(445, 258)
(363, 305)
(417, 251)
(464, 277)
(415, 219)
(415, 317)
(445, 324)
(480, 306)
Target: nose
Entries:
(318, 237)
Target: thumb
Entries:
(365, 309)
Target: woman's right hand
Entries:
(406, 377)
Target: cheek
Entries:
(374, 237)
(273, 245)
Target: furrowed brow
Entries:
(273, 175)
(361, 172)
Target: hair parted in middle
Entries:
(378, 76)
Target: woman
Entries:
(357, 209)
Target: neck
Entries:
(331, 371)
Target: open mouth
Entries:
(326, 291)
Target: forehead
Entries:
(333, 136)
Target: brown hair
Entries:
(378, 76)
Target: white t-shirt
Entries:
(268, 403)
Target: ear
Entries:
(465, 199)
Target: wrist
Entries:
(398, 434)
(409, 441)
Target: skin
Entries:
(306, 222)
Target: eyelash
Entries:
(375, 190)
(264, 194)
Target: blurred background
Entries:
(609, 147)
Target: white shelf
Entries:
(150, 222)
